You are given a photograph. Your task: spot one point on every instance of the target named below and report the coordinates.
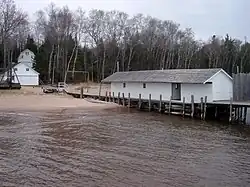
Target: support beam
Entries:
(231, 110)
(192, 106)
(160, 104)
(205, 108)
(183, 107)
(119, 101)
(139, 103)
(123, 99)
(149, 103)
(129, 101)
(201, 105)
(169, 105)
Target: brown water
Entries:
(120, 148)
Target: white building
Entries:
(27, 57)
(23, 72)
(216, 84)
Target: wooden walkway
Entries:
(233, 112)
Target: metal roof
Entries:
(194, 76)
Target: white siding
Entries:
(24, 77)
(198, 90)
(155, 89)
(26, 57)
(222, 87)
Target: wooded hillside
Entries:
(95, 41)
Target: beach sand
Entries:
(29, 98)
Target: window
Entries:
(124, 85)
(144, 85)
(32, 57)
(27, 53)
(15, 69)
(27, 69)
(22, 56)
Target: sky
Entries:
(205, 17)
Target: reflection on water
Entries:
(120, 148)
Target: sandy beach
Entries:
(29, 98)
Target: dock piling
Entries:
(123, 99)
(113, 96)
(149, 103)
(245, 115)
(192, 106)
(109, 96)
(205, 108)
(201, 109)
(160, 104)
(129, 101)
(169, 105)
(183, 107)
(230, 110)
(139, 103)
(81, 94)
(119, 95)
(106, 96)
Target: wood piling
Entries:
(245, 115)
(192, 106)
(106, 96)
(81, 93)
(160, 104)
(139, 103)
(205, 108)
(109, 96)
(149, 103)
(118, 99)
(230, 110)
(123, 99)
(113, 97)
(201, 109)
(183, 107)
(129, 101)
(169, 105)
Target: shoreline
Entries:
(34, 100)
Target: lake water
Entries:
(118, 147)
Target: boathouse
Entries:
(216, 84)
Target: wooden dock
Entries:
(232, 112)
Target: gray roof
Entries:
(194, 76)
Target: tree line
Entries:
(97, 43)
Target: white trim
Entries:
(221, 70)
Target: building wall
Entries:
(198, 90)
(164, 89)
(155, 89)
(222, 87)
(24, 75)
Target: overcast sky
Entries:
(205, 17)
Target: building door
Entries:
(176, 91)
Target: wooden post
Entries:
(183, 107)
(149, 103)
(129, 102)
(192, 106)
(231, 110)
(160, 104)
(205, 108)
(118, 98)
(106, 96)
(81, 94)
(113, 95)
(201, 107)
(216, 113)
(240, 115)
(139, 103)
(123, 99)
(109, 96)
(245, 115)
(169, 105)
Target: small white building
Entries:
(23, 71)
(216, 84)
